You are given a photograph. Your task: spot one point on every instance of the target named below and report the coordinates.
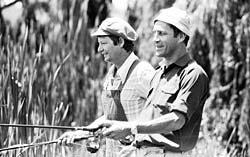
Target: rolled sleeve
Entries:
(145, 75)
(192, 94)
(180, 106)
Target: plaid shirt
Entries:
(135, 90)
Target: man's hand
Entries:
(116, 129)
(97, 124)
(70, 137)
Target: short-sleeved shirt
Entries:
(183, 87)
(134, 92)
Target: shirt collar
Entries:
(181, 62)
(123, 70)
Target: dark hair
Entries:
(128, 45)
(177, 31)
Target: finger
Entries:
(61, 137)
(103, 130)
(111, 134)
(59, 141)
(107, 132)
(114, 136)
(64, 141)
(94, 126)
(69, 141)
(107, 123)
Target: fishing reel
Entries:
(93, 143)
(127, 140)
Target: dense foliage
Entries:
(51, 73)
(221, 44)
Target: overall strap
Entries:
(134, 64)
(118, 108)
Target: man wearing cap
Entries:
(170, 121)
(127, 83)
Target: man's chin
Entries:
(106, 59)
(158, 53)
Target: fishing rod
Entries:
(51, 127)
(94, 132)
(20, 146)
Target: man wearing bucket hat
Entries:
(170, 121)
(127, 83)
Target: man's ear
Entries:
(121, 42)
(181, 37)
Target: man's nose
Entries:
(99, 49)
(156, 37)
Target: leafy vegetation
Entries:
(222, 47)
(51, 74)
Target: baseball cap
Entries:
(176, 17)
(116, 26)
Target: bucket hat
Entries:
(175, 17)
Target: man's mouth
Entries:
(159, 47)
(105, 55)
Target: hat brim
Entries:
(100, 32)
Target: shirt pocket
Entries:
(166, 96)
(169, 90)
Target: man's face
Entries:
(164, 40)
(107, 48)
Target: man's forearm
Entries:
(164, 124)
(98, 120)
